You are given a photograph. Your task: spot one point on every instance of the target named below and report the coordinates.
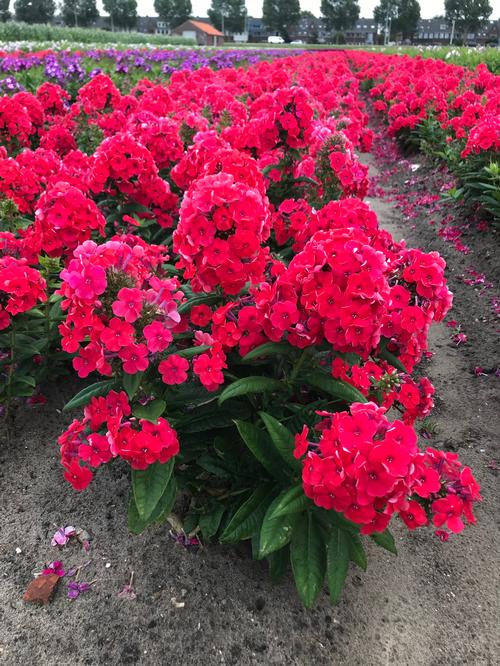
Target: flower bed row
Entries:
(202, 250)
(447, 111)
(71, 69)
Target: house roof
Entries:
(207, 28)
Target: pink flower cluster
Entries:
(370, 469)
(109, 431)
(118, 306)
(21, 288)
(222, 224)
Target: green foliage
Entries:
(281, 16)
(340, 14)
(149, 485)
(469, 15)
(250, 385)
(338, 562)
(173, 12)
(79, 12)
(308, 558)
(13, 31)
(404, 15)
(234, 12)
(385, 540)
(137, 523)
(122, 13)
(4, 10)
(237, 463)
(478, 175)
(34, 11)
(84, 396)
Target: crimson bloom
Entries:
(128, 305)
(78, 476)
(173, 369)
(135, 358)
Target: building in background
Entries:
(205, 34)
(438, 31)
(257, 32)
(311, 30)
(363, 32)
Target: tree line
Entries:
(279, 16)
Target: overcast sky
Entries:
(428, 8)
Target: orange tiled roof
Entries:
(206, 27)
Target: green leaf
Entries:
(151, 412)
(290, 501)
(190, 522)
(335, 387)
(149, 485)
(209, 522)
(131, 383)
(25, 379)
(388, 356)
(89, 392)
(197, 300)
(269, 349)
(260, 445)
(278, 563)
(213, 466)
(192, 351)
(247, 519)
(275, 532)
(137, 524)
(208, 417)
(338, 562)
(247, 385)
(385, 540)
(308, 557)
(282, 439)
(357, 552)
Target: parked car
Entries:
(275, 39)
(297, 42)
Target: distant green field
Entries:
(12, 31)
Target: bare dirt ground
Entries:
(435, 604)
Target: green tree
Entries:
(404, 15)
(469, 15)
(340, 14)
(79, 12)
(234, 12)
(173, 12)
(34, 11)
(4, 10)
(281, 16)
(122, 13)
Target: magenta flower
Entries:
(128, 592)
(442, 535)
(55, 567)
(88, 283)
(128, 305)
(62, 536)
(459, 339)
(75, 589)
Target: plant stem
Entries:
(299, 364)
